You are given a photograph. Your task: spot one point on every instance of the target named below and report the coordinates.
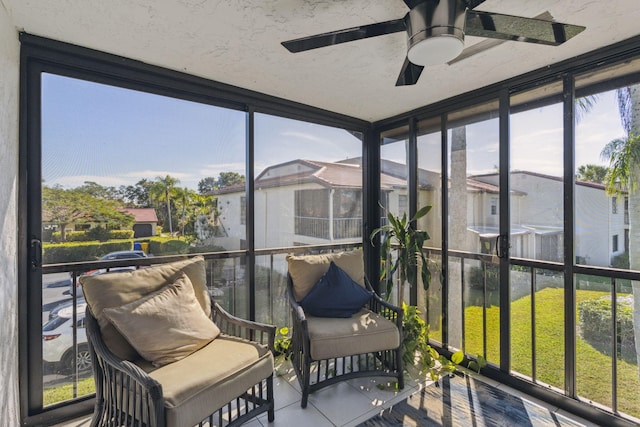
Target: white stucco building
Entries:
(310, 202)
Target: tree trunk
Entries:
(169, 212)
(634, 222)
(457, 231)
(63, 232)
(184, 213)
(458, 192)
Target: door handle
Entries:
(36, 253)
(502, 245)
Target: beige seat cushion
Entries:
(198, 385)
(306, 270)
(364, 332)
(115, 289)
(165, 326)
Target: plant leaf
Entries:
(421, 212)
(457, 357)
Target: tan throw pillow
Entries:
(115, 289)
(165, 326)
(307, 270)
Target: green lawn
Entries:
(593, 367)
(65, 392)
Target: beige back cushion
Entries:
(165, 326)
(115, 289)
(306, 270)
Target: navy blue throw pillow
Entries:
(335, 295)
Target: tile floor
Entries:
(344, 404)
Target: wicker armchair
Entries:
(225, 383)
(328, 350)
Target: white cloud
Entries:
(129, 178)
(308, 136)
(153, 174)
(215, 169)
(78, 180)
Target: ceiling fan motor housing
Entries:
(435, 31)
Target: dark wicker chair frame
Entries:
(314, 375)
(127, 396)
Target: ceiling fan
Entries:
(436, 29)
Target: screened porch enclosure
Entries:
(532, 259)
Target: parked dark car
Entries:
(111, 256)
(124, 255)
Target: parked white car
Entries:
(57, 340)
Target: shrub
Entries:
(204, 249)
(596, 323)
(98, 233)
(621, 261)
(56, 253)
(121, 234)
(168, 246)
(493, 277)
(74, 236)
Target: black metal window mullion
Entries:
(412, 163)
(463, 318)
(614, 345)
(249, 188)
(30, 196)
(444, 202)
(371, 194)
(568, 95)
(505, 230)
(534, 366)
(484, 309)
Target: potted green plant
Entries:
(282, 351)
(282, 343)
(410, 263)
(400, 233)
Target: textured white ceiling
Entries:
(238, 42)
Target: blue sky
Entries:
(113, 136)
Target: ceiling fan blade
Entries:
(346, 35)
(471, 4)
(490, 43)
(517, 28)
(412, 3)
(409, 74)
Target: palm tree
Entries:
(623, 155)
(186, 199)
(162, 191)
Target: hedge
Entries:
(95, 233)
(596, 324)
(121, 234)
(621, 261)
(170, 246)
(72, 236)
(57, 253)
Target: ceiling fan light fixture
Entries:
(435, 31)
(434, 50)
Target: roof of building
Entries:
(348, 174)
(142, 214)
(300, 171)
